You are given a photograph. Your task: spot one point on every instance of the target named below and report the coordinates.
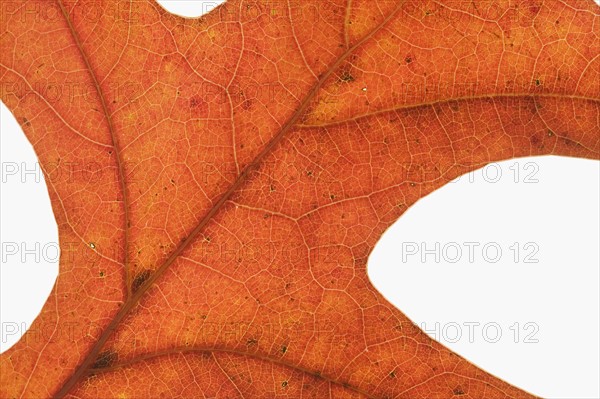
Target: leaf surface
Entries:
(231, 174)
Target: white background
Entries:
(551, 203)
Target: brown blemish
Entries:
(346, 77)
(534, 140)
(105, 359)
(196, 101)
(140, 279)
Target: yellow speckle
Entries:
(211, 33)
(122, 396)
(364, 89)
(168, 67)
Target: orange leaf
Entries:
(249, 160)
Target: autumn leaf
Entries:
(247, 162)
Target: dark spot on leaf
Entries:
(534, 140)
(458, 391)
(284, 384)
(251, 342)
(105, 359)
(534, 9)
(283, 349)
(550, 133)
(140, 279)
(408, 59)
(196, 101)
(393, 374)
(346, 77)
